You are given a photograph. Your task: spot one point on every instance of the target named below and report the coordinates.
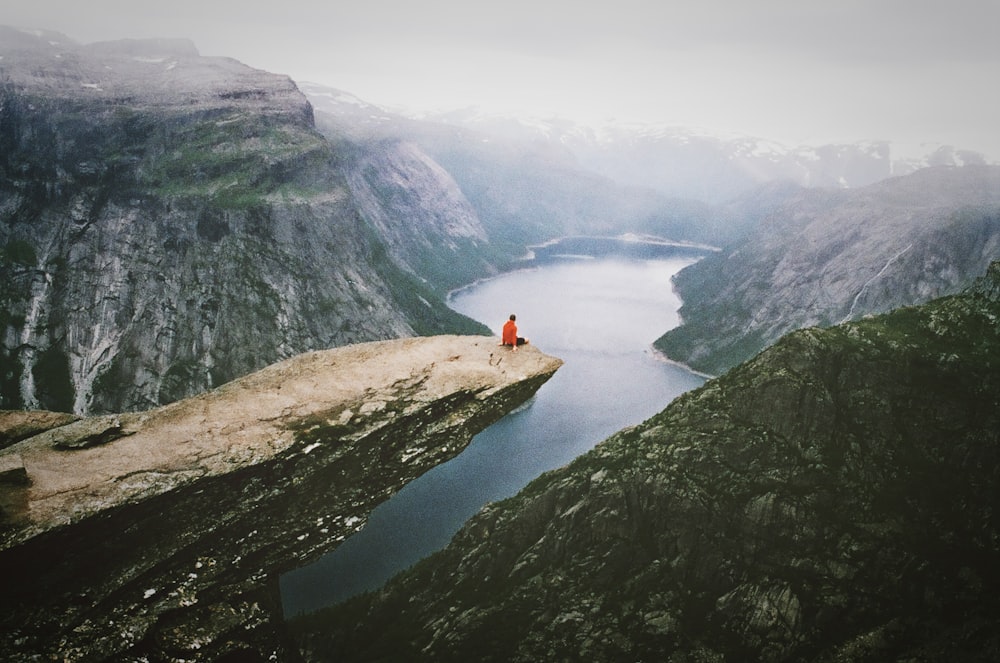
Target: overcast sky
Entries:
(795, 71)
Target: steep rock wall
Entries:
(443, 239)
(821, 257)
(169, 222)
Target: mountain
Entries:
(161, 535)
(716, 169)
(524, 188)
(823, 256)
(529, 180)
(682, 162)
(833, 499)
(169, 222)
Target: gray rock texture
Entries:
(166, 542)
(820, 257)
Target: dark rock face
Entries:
(166, 543)
(833, 499)
(823, 257)
(169, 222)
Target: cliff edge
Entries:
(192, 204)
(162, 534)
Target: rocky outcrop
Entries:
(835, 499)
(16, 425)
(169, 222)
(166, 542)
(821, 257)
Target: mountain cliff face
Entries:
(820, 257)
(833, 499)
(442, 238)
(169, 222)
(161, 535)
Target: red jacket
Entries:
(509, 333)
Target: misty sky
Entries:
(795, 71)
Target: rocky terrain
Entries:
(824, 256)
(169, 222)
(161, 535)
(834, 499)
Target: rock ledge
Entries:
(167, 540)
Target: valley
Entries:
(181, 232)
(831, 499)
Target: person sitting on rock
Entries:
(509, 336)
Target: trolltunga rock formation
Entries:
(161, 535)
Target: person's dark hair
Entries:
(513, 317)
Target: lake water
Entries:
(600, 315)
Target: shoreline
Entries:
(660, 356)
(632, 238)
(528, 260)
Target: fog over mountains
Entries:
(823, 256)
(170, 222)
(677, 161)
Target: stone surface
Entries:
(88, 432)
(12, 470)
(15, 425)
(168, 541)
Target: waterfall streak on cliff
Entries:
(105, 337)
(35, 320)
(864, 288)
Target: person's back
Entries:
(509, 335)
(510, 332)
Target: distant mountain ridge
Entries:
(523, 190)
(712, 167)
